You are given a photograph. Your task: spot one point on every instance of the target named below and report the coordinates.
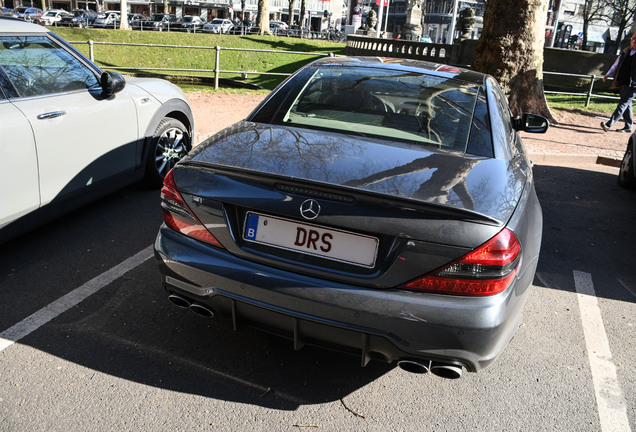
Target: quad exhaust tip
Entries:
(446, 370)
(202, 310)
(197, 308)
(443, 370)
(415, 366)
(179, 301)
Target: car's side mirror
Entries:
(531, 123)
(112, 83)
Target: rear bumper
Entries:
(387, 325)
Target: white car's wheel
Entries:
(171, 141)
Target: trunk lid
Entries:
(425, 207)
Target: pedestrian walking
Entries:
(624, 73)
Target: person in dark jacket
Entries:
(624, 73)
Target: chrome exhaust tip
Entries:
(415, 366)
(446, 370)
(202, 310)
(179, 301)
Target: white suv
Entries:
(218, 25)
(71, 132)
(51, 17)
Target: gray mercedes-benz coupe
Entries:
(381, 206)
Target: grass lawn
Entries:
(201, 58)
(577, 103)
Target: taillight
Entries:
(178, 216)
(485, 271)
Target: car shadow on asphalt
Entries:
(131, 331)
(588, 226)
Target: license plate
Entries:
(308, 239)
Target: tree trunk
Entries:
(511, 50)
(301, 17)
(262, 21)
(292, 5)
(123, 24)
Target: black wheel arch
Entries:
(174, 108)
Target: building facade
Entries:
(207, 10)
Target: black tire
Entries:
(170, 142)
(626, 176)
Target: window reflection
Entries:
(37, 66)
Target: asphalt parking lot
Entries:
(89, 341)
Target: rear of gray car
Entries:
(407, 229)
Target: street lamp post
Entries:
(451, 28)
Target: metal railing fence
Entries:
(216, 70)
(590, 91)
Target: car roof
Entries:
(407, 65)
(15, 25)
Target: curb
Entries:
(573, 159)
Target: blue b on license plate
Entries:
(308, 239)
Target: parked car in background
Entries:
(278, 24)
(51, 17)
(135, 19)
(243, 27)
(156, 22)
(384, 206)
(218, 25)
(109, 19)
(27, 13)
(79, 18)
(55, 111)
(188, 23)
(278, 28)
(296, 31)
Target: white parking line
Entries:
(64, 303)
(612, 408)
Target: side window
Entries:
(501, 124)
(37, 66)
(480, 139)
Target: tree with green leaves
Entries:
(511, 50)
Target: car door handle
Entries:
(50, 115)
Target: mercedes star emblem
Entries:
(310, 209)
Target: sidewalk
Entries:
(577, 139)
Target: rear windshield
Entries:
(406, 106)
